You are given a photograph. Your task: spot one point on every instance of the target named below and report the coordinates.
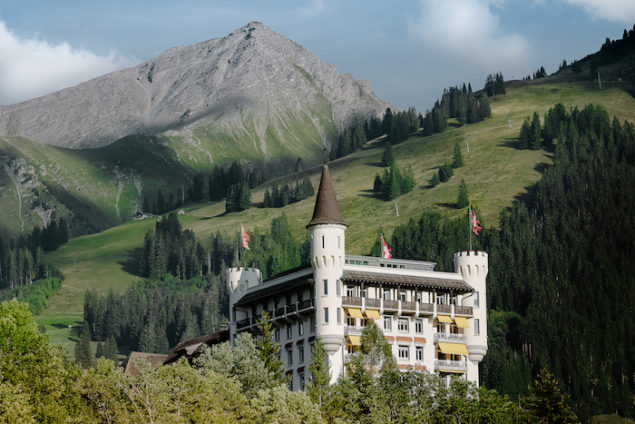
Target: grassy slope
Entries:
(494, 171)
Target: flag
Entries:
(244, 236)
(385, 250)
(475, 223)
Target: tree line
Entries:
(282, 196)
(559, 285)
(21, 261)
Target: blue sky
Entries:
(409, 50)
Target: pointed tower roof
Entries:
(327, 210)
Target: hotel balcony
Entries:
(449, 337)
(450, 366)
(405, 307)
(353, 330)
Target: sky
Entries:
(409, 50)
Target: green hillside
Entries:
(495, 172)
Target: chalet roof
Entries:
(137, 360)
(388, 278)
(191, 348)
(327, 210)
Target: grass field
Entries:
(495, 173)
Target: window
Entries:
(312, 323)
(419, 353)
(338, 288)
(276, 334)
(326, 287)
(322, 242)
(476, 305)
(290, 357)
(350, 320)
(350, 291)
(402, 296)
(440, 327)
(301, 354)
(419, 326)
(290, 385)
(339, 241)
(402, 325)
(477, 330)
(289, 331)
(301, 377)
(388, 323)
(404, 352)
(326, 315)
(386, 294)
(300, 328)
(339, 316)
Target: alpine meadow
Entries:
(129, 201)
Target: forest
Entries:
(560, 293)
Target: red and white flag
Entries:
(385, 250)
(474, 223)
(244, 236)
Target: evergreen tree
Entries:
(535, 132)
(547, 404)
(434, 181)
(83, 355)
(462, 199)
(387, 158)
(110, 350)
(445, 172)
(457, 157)
(267, 348)
(318, 386)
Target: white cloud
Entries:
(611, 10)
(31, 67)
(469, 30)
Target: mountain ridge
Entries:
(232, 79)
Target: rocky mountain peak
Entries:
(253, 78)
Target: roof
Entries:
(327, 210)
(274, 288)
(137, 360)
(191, 348)
(405, 280)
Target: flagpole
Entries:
(469, 225)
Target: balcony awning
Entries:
(444, 318)
(372, 313)
(355, 312)
(454, 371)
(354, 340)
(461, 322)
(453, 348)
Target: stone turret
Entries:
(328, 239)
(238, 281)
(473, 268)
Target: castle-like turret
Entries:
(238, 281)
(473, 268)
(327, 257)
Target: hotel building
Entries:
(434, 321)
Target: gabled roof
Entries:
(191, 348)
(138, 360)
(327, 210)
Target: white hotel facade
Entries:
(434, 321)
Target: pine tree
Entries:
(434, 181)
(318, 387)
(535, 132)
(83, 355)
(457, 157)
(388, 157)
(267, 348)
(547, 404)
(462, 200)
(110, 350)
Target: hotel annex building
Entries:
(434, 321)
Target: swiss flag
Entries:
(475, 223)
(245, 237)
(385, 250)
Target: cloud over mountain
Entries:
(31, 67)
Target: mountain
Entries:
(93, 152)
(251, 81)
